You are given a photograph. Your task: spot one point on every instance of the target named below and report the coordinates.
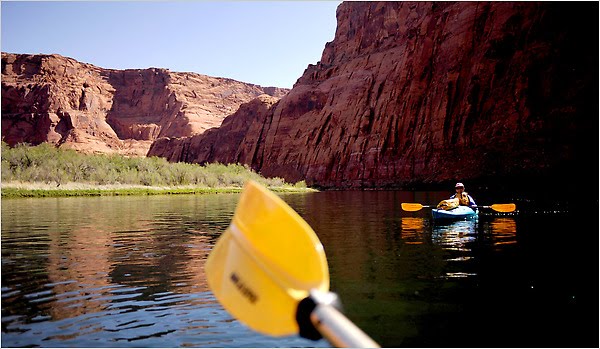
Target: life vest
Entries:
(454, 202)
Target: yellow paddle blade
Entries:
(265, 263)
(504, 207)
(411, 207)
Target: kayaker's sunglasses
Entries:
(459, 188)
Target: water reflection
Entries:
(391, 270)
(459, 239)
(92, 272)
(413, 230)
(122, 272)
(455, 236)
(503, 231)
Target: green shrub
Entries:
(301, 184)
(48, 164)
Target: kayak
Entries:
(460, 212)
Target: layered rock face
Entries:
(427, 92)
(50, 98)
(212, 147)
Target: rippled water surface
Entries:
(128, 271)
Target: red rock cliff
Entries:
(426, 92)
(50, 98)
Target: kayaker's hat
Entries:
(459, 185)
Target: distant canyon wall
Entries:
(427, 92)
(51, 98)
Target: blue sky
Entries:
(268, 43)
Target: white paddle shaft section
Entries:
(338, 330)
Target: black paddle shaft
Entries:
(305, 309)
(317, 316)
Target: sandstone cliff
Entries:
(427, 92)
(212, 147)
(51, 98)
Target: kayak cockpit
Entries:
(458, 213)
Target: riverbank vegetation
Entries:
(44, 170)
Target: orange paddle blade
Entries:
(411, 207)
(504, 207)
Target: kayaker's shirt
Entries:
(464, 199)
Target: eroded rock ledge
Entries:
(51, 98)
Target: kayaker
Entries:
(463, 197)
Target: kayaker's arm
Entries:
(472, 203)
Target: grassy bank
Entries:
(21, 192)
(45, 171)
(34, 190)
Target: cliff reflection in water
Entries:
(110, 254)
(95, 271)
(113, 272)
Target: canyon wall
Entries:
(51, 98)
(427, 92)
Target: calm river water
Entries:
(128, 272)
